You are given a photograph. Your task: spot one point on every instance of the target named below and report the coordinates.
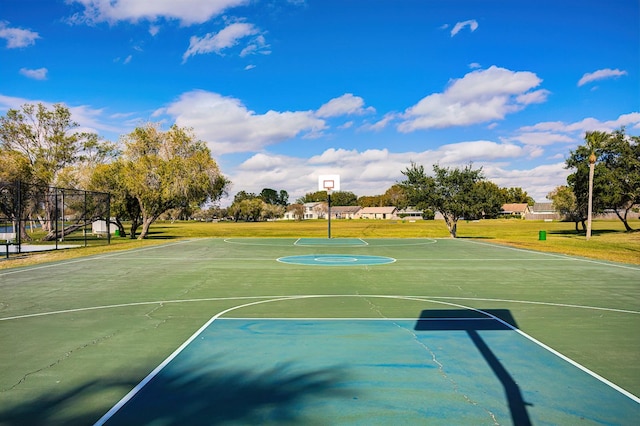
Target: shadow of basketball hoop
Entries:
(473, 321)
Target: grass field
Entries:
(79, 333)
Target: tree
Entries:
(166, 170)
(371, 201)
(595, 140)
(516, 195)
(124, 206)
(284, 198)
(344, 198)
(313, 197)
(47, 138)
(621, 157)
(271, 196)
(565, 203)
(14, 168)
(338, 198)
(251, 209)
(452, 192)
(271, 211)
(606, 174)
(489, 198)
(395, 196)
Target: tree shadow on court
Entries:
(210, 397)
(56, 408)
(206, 398)
(472, 322)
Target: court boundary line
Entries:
(337, 244)
(558, 255)
(218, 299)
(89, 258)
(410, 242)
(133, 392)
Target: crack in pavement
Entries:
(454, 385)
(58, 361)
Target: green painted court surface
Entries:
(219, 331)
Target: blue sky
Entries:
(283, 91)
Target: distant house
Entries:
(409, 214)
(292, 212)
(542, 211)
(378, 213)
(316, 210)
(515, 210)
(345, 212)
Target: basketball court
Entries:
(319, 331)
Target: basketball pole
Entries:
(329, 210)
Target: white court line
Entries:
(90, 258)
(164, 363)
(202, 259)
(171, 357)
(356, 319)
(216, 299)
(334, 242)
(560, 256)
(126, 305)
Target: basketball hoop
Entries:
(328, 185)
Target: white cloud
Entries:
(346, 104)
(600, 75)
(537, 182)
(541, 138)
(17, 37)
(480, 96)
(37, 74)
(227, 37)
(373, 171)
(256, 45)
(585, 125)
(380, 124)
(363, 173)
(188, 12)
(535, 97)
(464, 152)
(228, 126)
(154, 30)
(472, 24)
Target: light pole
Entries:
(592, 164)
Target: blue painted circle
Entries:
(336, 260)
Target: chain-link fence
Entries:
(37, 218)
